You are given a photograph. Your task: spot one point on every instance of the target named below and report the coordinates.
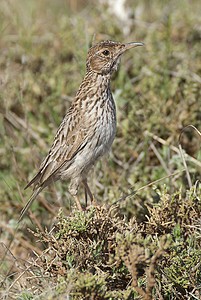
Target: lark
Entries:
(88, 128)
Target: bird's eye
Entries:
(106, 52)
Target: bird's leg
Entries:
(88, 190)
(85, 191)
(78, 202)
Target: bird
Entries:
(88, 128)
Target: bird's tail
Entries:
(29, 203)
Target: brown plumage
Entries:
(89, 127)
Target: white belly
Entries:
(99, 143)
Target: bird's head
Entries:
(104, 57)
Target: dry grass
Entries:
(157, 92)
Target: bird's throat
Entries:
(94, 83)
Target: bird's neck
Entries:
(94, 83)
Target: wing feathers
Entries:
(70, 139)
(36, 177)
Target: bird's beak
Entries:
(132, 45)
(128, 46)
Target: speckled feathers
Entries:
(88, 129)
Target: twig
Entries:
(23, 241)
(185, 166)
(19, 124)
(145, 186)
(27, 269)
(182, 154)
(175, 149)
(195, 188)
(187, 75)
(160, 158)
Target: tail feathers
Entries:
(29, 203)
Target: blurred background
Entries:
(156, 89)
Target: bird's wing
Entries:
(72, 136)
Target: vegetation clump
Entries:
(100, 255)
(149, 245)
